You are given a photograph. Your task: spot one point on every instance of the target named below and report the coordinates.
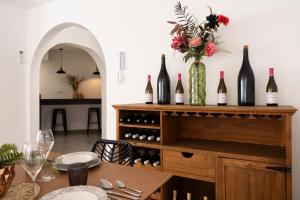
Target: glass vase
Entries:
(197, 84)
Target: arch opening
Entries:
(73, 35)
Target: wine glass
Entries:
(32, 161)
(45, 139)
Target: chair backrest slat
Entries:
(114, 151)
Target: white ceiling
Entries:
(27, 4)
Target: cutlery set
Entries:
(120, 191)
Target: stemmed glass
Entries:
(45, 139)
(32, 161)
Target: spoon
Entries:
(121, 184)
(106, 184)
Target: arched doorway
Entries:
(74, 35)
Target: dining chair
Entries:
(114, 151)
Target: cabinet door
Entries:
(248, 180)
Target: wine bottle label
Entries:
(149, 97)
(222, 98)
(272, 97)
(179, 98)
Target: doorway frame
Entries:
(74, 35)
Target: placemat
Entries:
(22, 191)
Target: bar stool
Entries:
(62, 112)
(89, 122)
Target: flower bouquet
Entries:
(74, 81)
(196, 40)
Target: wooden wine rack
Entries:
(226, 151)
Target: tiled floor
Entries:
(75, 141)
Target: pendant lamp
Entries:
(61, 71)
(96, 72)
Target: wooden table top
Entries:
(142, 179)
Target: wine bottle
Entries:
(174, 194)
(148, 157)
(128, 135)
(122, 119)
(154, 119)
(138, 155)
(246, 82)
(135, 136)
(131, 118)
(158, 139)
(155, 160)
(163, 84)
(151, 136)
(222, 91)
(179, 92)
(143, 137)
(139, 118)
(189, 196)
(272, 90)
(146, 119)
(149, 92)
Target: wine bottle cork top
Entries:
(163, 55)
(149, 77)
(205, 198)
(174, 192)
(246, 46)
(221, 74)
(189, 195)
(271, 71)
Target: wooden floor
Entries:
(75, 141)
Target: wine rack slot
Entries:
(147, 158)
(198, 189)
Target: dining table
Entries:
(148, 181)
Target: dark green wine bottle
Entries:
(246, 82)
(163, 84)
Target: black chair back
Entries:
(114, 151)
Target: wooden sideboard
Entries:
(223, 152)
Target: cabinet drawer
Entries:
(199, 164)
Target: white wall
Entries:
(56, 86)
(13, 95)
(139, 28)
(75, 61)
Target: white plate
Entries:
(77, 193)
(62, 162)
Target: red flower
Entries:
(210, 49)
(177, 42)
(223, 19)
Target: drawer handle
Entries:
(187, 155)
